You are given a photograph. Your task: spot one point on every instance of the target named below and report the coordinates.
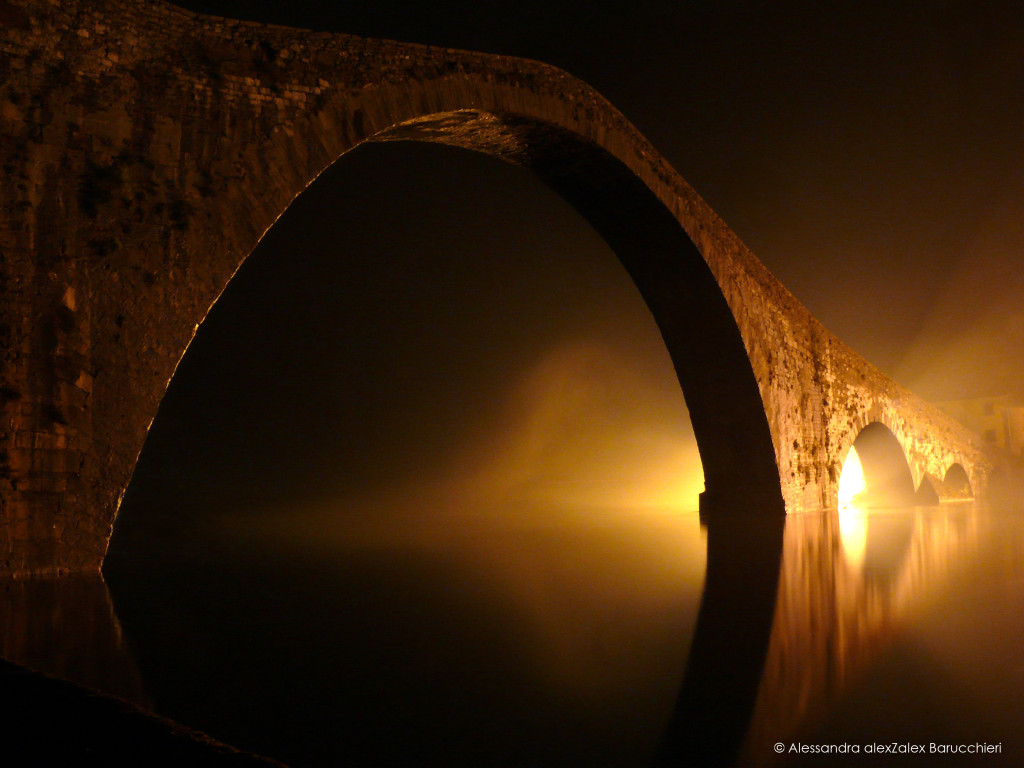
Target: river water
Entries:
(562, 637)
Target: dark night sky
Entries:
(423, 309)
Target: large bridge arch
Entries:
(696, 322)
(148, 149)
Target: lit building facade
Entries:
(999, 420)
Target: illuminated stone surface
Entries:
(145, 151)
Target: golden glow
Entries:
(851, 481)
(585, 430)
(853, 532)
(853, 522)
(675, 482)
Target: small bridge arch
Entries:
(957, 482)
(885, 476)
(953, 485)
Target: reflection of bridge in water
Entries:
(845, 580)
(756, 676)
(775, 648)
(67, 628)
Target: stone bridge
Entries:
(146, 150)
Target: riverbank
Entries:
(50, 721)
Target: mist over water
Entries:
(582, 443)
(563, 638)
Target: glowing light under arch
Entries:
(853, 523)
(851, 480)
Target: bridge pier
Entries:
(740, 501)
(50, 533)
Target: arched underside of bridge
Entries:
(887, 481)
(695, 320)
(147, 150)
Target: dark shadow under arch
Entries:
(927, 492)
(445, 165)
(957, 483)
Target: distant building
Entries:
(999, 420)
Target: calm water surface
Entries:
(558, 639)
(548, 639)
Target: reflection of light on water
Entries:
(853, 522)
(845, 599)
(851, 481)
(853, 532)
